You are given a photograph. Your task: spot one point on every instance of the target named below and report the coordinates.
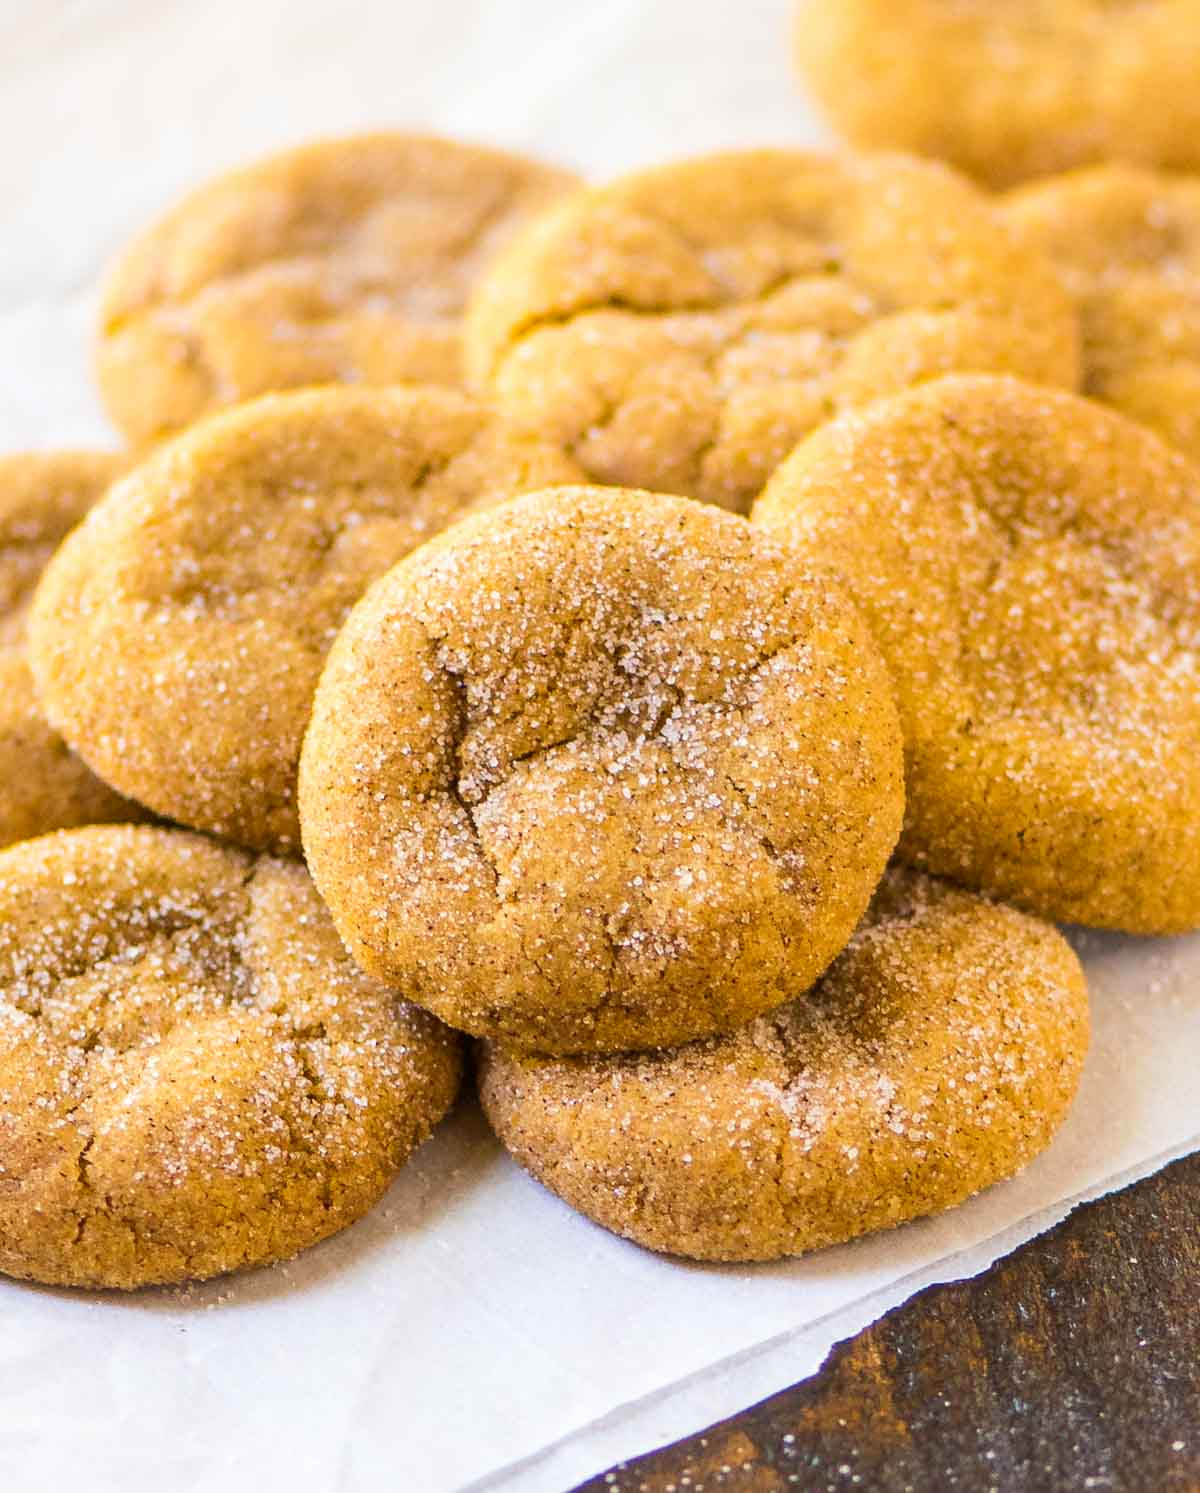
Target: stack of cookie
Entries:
(694, 633)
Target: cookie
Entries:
(194, 1077)
(1127, 245)
(178, 636)
(935, 1058)
(681, 329)
(600, 769)
(341, 261)
(43, 785)
(1029, 562)
(1013, 90)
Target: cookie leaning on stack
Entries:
(681, 329)
(1029, 563)
(601, 769)
(177, 637)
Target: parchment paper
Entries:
(472, 1332)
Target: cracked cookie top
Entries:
(600, 769)
(937, 1056)
(342, 261)
(194, 1076)
(1029, 563)
(43, 785)
(682, 328)
(1126, 243)
(1009, 90)
(178, 636)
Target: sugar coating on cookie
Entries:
(1126, 243)
(600, 769)
(936, 1057)
(43, 784)
(194, 1077)
(682, 328)
(1029, 562)
(1012, 90)
(347, 260)
(178, 636)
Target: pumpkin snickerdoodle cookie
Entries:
(194, 1077)
(600, 769)
(681, 329)
(1127, 245)
(1029, 562)
(43, 785)
(178, 636)
(936, 1057)
(1009, 90)
(345, 260)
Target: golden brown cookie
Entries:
(43, 785)
(194, 1077)
(178, 637)
(1029, 562)
(1009, 89)
(341, 261)
(600, 769)
(683, 328)
(936, 1057)
(1127, 245)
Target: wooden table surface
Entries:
(1072, 1364)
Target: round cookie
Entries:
(342, 261)
(1029, 562)
(43, 785)
(681, 329)
(1009, 90)
(194, 1077)
(178, 636)
(600, 770)
(1127, 245)
(936, 1057)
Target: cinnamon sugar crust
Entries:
(341, 261)
(937, 1056)
(194, 1077)
(600, 769)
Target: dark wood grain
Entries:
(1072, 1364)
